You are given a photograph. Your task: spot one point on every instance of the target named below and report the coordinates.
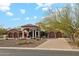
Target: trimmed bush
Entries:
(38, 39)
(23, 42)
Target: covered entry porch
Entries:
(16, 34)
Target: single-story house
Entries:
(26, 31)
(31, 31)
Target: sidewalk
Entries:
(26, 48)
(60, 43)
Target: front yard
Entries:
(21, 43)
(43, 43)
(73, 45)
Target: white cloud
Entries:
(44, 9)
(16, 19)
(43, 5)
(39, 5)
(4, 9)
(5, 5)
(27, 18)
(9, 13)
(35, 17)
(43, 17)
(22, 11)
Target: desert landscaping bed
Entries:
(21, 43)
(73, 45)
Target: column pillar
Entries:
(18, 35)
(12, 35)
(27, 34)
(38, 34)
(55, 34)
(22, 34)
(48, 35)
(35, 33)
(32, 33)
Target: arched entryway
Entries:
(51, 35)
(15, 35)
(10, 35)
(25, 35)
(58, 35)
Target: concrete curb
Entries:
(25, 48)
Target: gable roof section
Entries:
(29, 25)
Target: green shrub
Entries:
(38, 39)
(29, 42)
(22, 42)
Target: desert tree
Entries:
(65, 19)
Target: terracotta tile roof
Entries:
(19, 29)
(29, 25)
(14, 29)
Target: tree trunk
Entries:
(73, 37)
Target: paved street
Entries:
(26, 52)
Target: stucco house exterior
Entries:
(57, 34)
(31, 31)
(26, 31)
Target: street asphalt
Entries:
(29, 52)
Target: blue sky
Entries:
(17, 14)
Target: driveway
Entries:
(59, 43)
